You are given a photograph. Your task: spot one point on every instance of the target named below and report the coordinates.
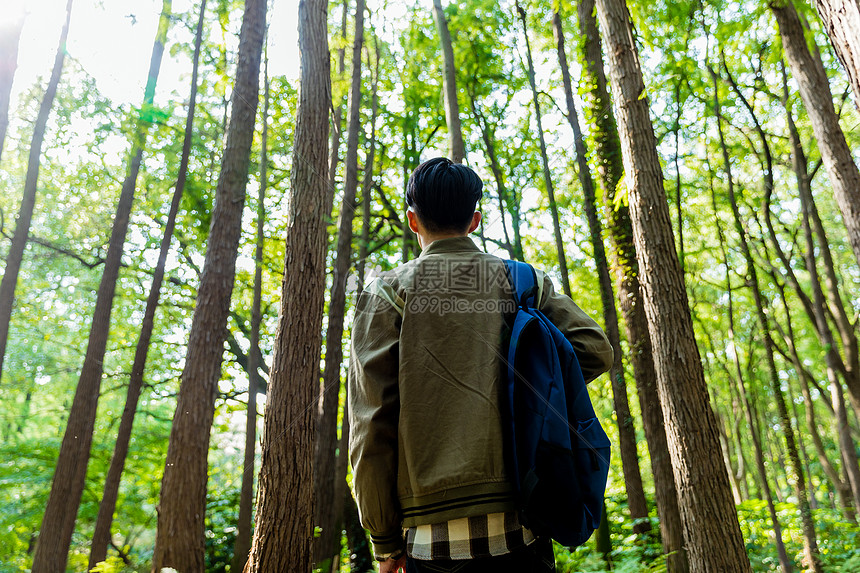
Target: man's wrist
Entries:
(387, 544)
(390, 555)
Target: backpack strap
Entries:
(524, 281)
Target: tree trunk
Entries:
(804, 455)
(28, 202)
(713, 537)
(849, 453)
(456, 148)
(610, 171)
(179, 541)
(842, 22)
(10, 34)
(811, 78)
(676, 129)
(58, 523)
(842, 487)
(626, 430)
(810, 543)
(514, 249)
(785, 564)
(547, 176)
(327, 515)
(367, 184)
(360, 558)
(847, 330)
(602, 538)
(359, 548)
(727, 459)
(102, 532)
(242, 546)
(284, 530)
(337, 121)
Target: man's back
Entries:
(441, 322)
(425, 388)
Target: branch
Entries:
(123, 555)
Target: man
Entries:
(425, 387)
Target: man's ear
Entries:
(413, 220)
(476, 220)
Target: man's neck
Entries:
(425, 239)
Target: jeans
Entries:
(535, 558)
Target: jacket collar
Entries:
(451, 245)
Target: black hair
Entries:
(444, 194)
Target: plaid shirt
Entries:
(468, 537)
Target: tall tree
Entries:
(785, 564)
(70, 474)
(842, 487)
(547, 175)
(796, 476)
(808, 71)
(337, 120)
(10, 35)
(246, 500)
(820, 308)
(626, 430)
(711, 531)
(514, 248)
(842, 21)
(102, 532)
(284, 524)
(610, 171)
(179, 541)
(28, 202)
(356, 536)
(456, 148)
(328, 515)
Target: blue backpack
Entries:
(558, 452)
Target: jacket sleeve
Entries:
(590, 343)
(373, 408)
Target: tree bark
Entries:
(179, 541)
(842, 22)
(547, 176)
(102, 532)
(811, 78)
(327, 515)
(626, 430)
(58, 523)
(284, 530)
(28, 202)
(242, 546)
(713, 537)
(456, 148)
(10, 34)
(610, 171)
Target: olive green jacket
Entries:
(425, 383)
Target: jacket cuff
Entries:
(384, 545)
